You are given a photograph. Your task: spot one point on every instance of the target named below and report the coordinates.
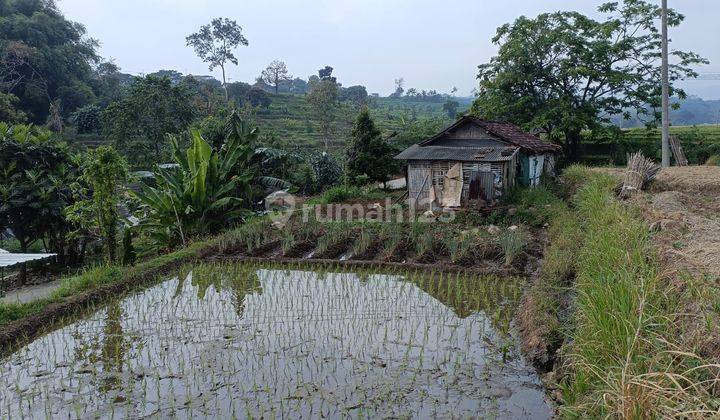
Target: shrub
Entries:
(344, 193)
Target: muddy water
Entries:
(238, 341)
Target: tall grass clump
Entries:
(621, 360)
(462, 246)
(392, 238)
(365, 240)
(335, 234)
(512, 243)
(533, 206)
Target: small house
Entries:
(473, 162)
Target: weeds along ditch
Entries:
(257, 340)
(601, 314)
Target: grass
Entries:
(624, 356)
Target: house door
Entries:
(482, 186)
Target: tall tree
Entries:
(399, 87)
(564, 72)
(369, 157)
(105, 171)
(275, 74)
(214, 44)
(322, 97)
(152, 108)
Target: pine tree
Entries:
(369, 157)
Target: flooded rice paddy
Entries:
(241, 341)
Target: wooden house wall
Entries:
(422, 175)
(419, 181)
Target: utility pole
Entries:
(665, 90)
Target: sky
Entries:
(431, 44)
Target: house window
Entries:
(439, 169)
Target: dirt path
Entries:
(683, 209)
(30, 293)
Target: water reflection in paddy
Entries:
(240, 341)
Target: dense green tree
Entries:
(139, 122)
(275, 74)
(9, 112)
(44, 58)
(564, 72)
(110, 83)
(356, 94)
(258, 98)
(214, 44)
(369, 156)
(87, 119)
(325, 73)
(35, 172)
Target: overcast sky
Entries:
(432, 44)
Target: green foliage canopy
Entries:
(35, 174)
(152, 108)
(564, 72)
(369, 157)
(44, 57)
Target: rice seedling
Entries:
(287, 241)
(250, 340)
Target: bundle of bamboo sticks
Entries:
(639, 173)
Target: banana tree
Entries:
(200, 195)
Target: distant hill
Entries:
(291, 122)
(692, 111)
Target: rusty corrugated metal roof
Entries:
(8, 259)
(462, 154)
